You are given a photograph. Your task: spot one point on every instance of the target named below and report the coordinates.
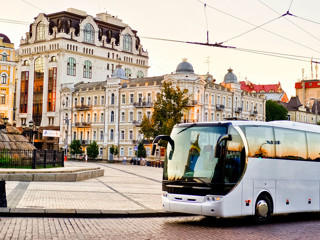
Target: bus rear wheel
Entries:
(263, 209)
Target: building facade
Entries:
(67, 48)
(110, 112)
(307, 89)
(7, 78)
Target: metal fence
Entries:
(37, 158)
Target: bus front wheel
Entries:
(263, 209)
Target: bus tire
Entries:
(263, 209)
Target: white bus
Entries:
(240, 168)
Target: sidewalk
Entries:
(123, 191)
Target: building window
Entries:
(128, 72)
(212, 117)
(127, 43)
(130, 134)
(131, 116)
(149, 115)
(111, 134)
(40, 31)
(130, 153)
(140, 74)
(123, 98)
(4, 78)
(112, 116)
(149, 98)
(101, 117)
(95, 100)
(212, 99)
(139, 116)
(3, 99)
(74, 135)
(123, 116)
(51, 120)
(140, 97)
(38, 91)
(71, 66)
(4, 57)
(95, 117)
(94, 135)
(102, 100)
(101, 135)
(24, 91)
(89, 101)
(87, 69)
(122, 151)
(112, 98)
(131, 97)
(52, 82)
(88, 33)
(122, 135)
(100, 151)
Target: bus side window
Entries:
(313, 146)
(260, 141)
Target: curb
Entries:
(85, 213)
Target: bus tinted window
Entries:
(314, 146)
(260, 141)
(291, 144)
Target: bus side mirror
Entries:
(154, 146)
(221, 139)
(163, 137)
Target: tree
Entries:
(275, 111)
(75, 147)
(93, 150)
(114, 150)
(141, 151)
(168, 111)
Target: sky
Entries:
(233, 22)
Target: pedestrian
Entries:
(86, 157)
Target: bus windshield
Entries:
(193, 160)
(193, 156)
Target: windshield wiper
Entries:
(192, 125)
(197, 178)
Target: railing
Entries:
(37, 158)
(192, 103)
(238, 110)
(137, 122)
(253, 113)
(143, 104)
(83, 107)
(82, 124)
(219, 107)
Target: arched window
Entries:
(140, 74)
(127, 43)
(128, 72)
(40, 31)
(71, 66)
(112, 98)
(4, 78)
(111, 134)
(4, 57)
(112, 116)
(87, 69)
(88, 33)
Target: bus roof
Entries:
(282, 124)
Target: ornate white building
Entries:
(67, 48)
(110, 112)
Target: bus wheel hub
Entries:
(262, 208)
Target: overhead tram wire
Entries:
(257, 27)
(290, 14)
(265, 53)
(276, 34)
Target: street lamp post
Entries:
(67, 122)
(30, 131)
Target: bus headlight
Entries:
(210, 198)
(165, 194)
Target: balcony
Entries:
(83, 107)
(143, 104)
(238, 110)
(136, 122)
(253, 113)
(219, 107)
(82, 124)
(192, 103)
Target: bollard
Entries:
(3, 198)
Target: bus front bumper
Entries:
(210, 205)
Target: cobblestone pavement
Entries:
(283, 227)
(124, 187)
